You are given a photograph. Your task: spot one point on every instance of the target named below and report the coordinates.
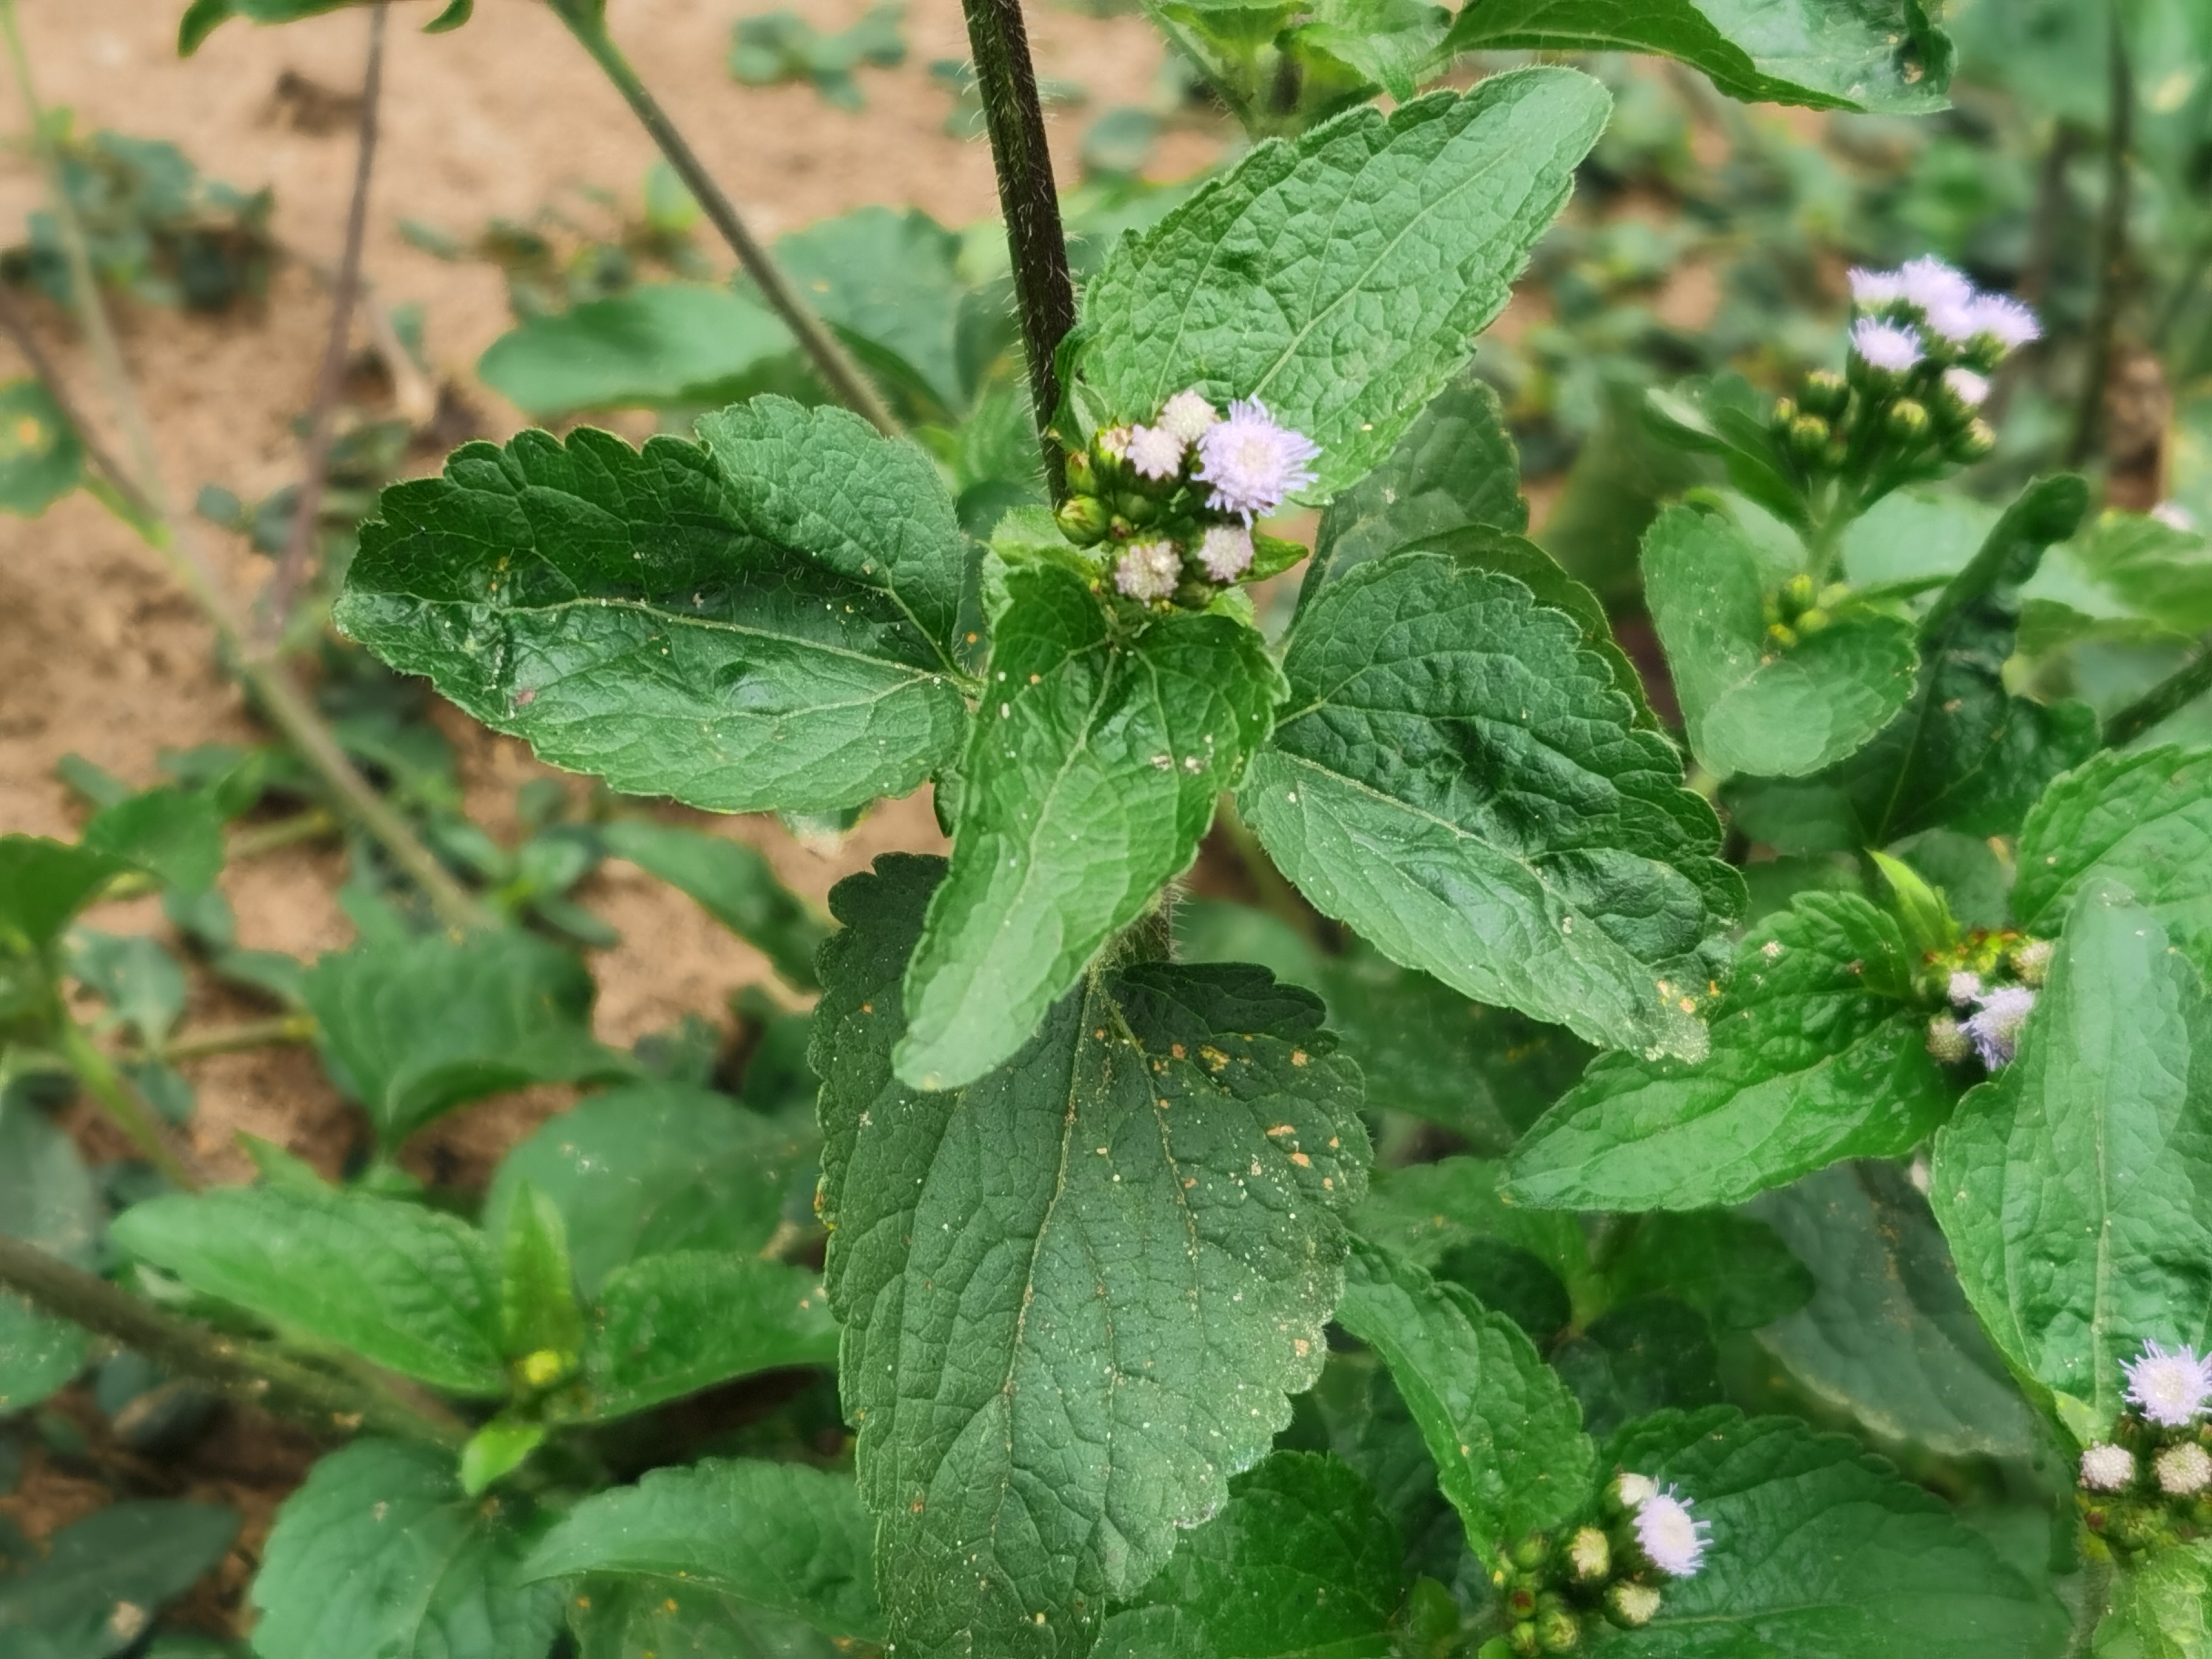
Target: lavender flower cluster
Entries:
(1554, 1590)
(1174, 501)
(2164, 1431)
(1987, 1018)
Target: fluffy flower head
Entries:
(1891, 346)
(1972, 390)
(1590, 1555)
(1875, 288)
(1632, 1491)
(2032, 961)
(1996, 1028)
(1227, 551)
(2169, 1389)
(1187, 415)
(1154, 452)
(2002, 318)
(1114, 442)
(1149, 570)
(1965, 988)
(1636, 1604)
(1933, 285)
(2175, 516)
(1675, 1543)
(2107, 1468)
(2182, 1470)
(1252, 463)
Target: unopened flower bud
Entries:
(1796, 594)
(1948, 1042)
(1780, 636)
(2032, 961)
(1812, 621)
(542, 1369)
(2107, 1468)
(1834, 595)
(1081, 476)
(1908, 420)
(1082, 519)
(1589, 1557)
(1631, 1491)
(1825, 392)
(1530, 1552)
(1632, 1605)
(1808, 437)
(1559, 1632)
(1520, 1602)
(1786, 411)
(1521, 1641)
(2184, 1470)
(1975, 442)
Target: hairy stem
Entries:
(1031, 201)
(2111, 249)
(119, 1100)
(2169, 696)
(292, 564)
(851, 387)
(175, 539)
(248, 1371)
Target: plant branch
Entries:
(176, 540)
(249, 1371)
(18, 328)
(853, 387)
(2112, 248)
(1031, 201)
(292, 564)
(2168, 697)
(119, 1100)
(277, 1030)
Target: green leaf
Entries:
(1427, 1212)
(1736, 1271)
(2076, 1186)
(1819, 1052)
(658, 345)
(405, 1287)
(1643, 1356)
(655, 1167)
(413, 1028)
(47, 1198)
(1964, 752)
(41, 458)
(670, 1325)
(641, 1618)
(1128, 1234)
(1302, 1562)
(537, 1287)
(1507, 1438)
(1091, 773)
(177, 834)
(142, 985)
(101, 1580)
(1819, 1551)
(496, 1450)
(1881, 55)
(776, 1535)
(733, 883)
(889, 283)
(1339, 278)
(1392, 43)
(2161, 1607)
(1887, 1336)
(629, 615)
(1456, 468)
(1462, 782)
(2164, 573)
(1751, 707)
(381, 1554)
(44, 883)
(2142, 819)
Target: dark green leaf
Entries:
(405, 1287)
(1427, 1211)
(1339, 278)
(413, 1029)
(1819, 1551)
(2144, 820)
(1887, 1336)
(2161, 1607)
(41, 458)
(641, 1619)
(103, 1579)
(658, 345)
(44, 882)
(1751, 707)
(733, 883)
(666, 1326)
(1507, 1439)
(776, 1535)
(1302, 1562)
(2076, 1186)
(1832, 54)
(1737, 1272)
(47, 1199)
(1642, 1357)
(1461, 780)
(381, 1554)
(1091, 773)
(1819, 1052)
(654, 1168)
(633, 615)
(1128, 1235)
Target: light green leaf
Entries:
(658, 345)
(1819, 1052)
(44, 882)
(654, 1168)
(2161, 1607)
(641, 1619)
(1819, 1551)
(41, 458)
(47, 1199)
(380, 1554)
(776, 1535)
(627, 614)
(496, 1450)
(1887, 1336)
(1092, 772)
(733, 883)
(1302, 1562)
(666, 1326)
(101, 1580)
(537, 1287)
(142, 985)
(1882, 55)
(2142, 819)
(405, 1287)
(2076, 1187)
(1392, 43)
(1506, 1435)
(2162, 572)
(1750, 706)
(889, 283)
(1338, 279)
(1462, 782)
(413, 1029)
(176, 833)
(1128, 1235)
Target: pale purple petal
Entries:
(1253, 462)
(1149, 570)
(1891, 346)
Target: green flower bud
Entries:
(1559, 1632)
(1136, 508)
(1796, 594)
(1632, 1605)
(1082, 519)
(1825, 393)
(1808, 437)
(1786, 411)
(1977, 442)
(2032, 962)
(1781, 637)
(1835, 454)
(1520, 1602)
(1521, 1641)
(1531, 1553)
(1834, 595)
(1081, 476)
(1908, 420)
(1812, 621)
(1120, 528)
(1588, 1557)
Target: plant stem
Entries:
(2112, 248)
(2050, 201)
(18, 328)
(1031, 201)
(834, 364)
(292, 564)
(119, 1100)
(249, 1371)
(2169, 696)
(175, 540)
(277, 1030)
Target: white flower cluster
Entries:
(1670, 1539)
(1991, 1032)
(2170, 1390)
(1926, 309)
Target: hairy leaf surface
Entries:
(670, 1325)
(47, 1198)
(2143, 819)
